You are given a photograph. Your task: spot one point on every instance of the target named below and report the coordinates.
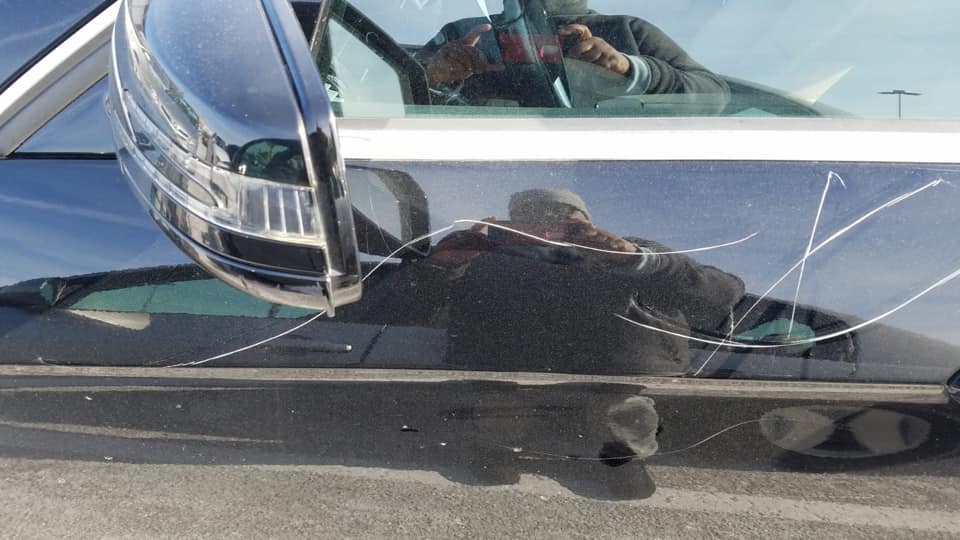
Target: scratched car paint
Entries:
(854, 221)
(485, 364)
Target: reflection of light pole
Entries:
(900, 94)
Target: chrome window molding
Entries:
(666, 139)
(55, 81)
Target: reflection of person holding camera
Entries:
(642, 57)
(566, 211)
(523, 303)
(548, 214)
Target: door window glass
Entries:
(659, 58)
(359, 82)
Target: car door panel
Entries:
(594, 439)
(767, 210)
(789, 373)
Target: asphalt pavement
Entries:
(57, 498)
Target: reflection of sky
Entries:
(788, 44)
(61, 218)
(82, 127)
(27, 26)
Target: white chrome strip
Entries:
(66, 71)
(600, 139)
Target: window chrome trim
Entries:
(663, 139)
(80, 61)
(55, 81)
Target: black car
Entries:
(497, 268)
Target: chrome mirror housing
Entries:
(225, 132)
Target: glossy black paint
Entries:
(596, 439)
(891, 256)
(64, 217)
(86, 279)
(483, 308)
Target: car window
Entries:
(27, 27)
(371, 86)
(81, 128)
(658, 58)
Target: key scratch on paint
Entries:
(816, 339)
(832, 238)
(831, 176)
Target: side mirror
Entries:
(224, 130)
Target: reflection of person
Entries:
(641, 56)
(526, 304)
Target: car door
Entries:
(737, 315)
(772, 212)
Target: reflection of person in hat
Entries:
(534, 213)
(563, 207)
(513, 302)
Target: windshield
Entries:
(27, 27)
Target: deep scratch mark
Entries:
(837, 235)
(528, 454)
(806, 254)
(708, 439)
(833, 237)
(438, 232)
(608, 251)
(251, 346)
(816, 339)
(455, 223)
(406, 246)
